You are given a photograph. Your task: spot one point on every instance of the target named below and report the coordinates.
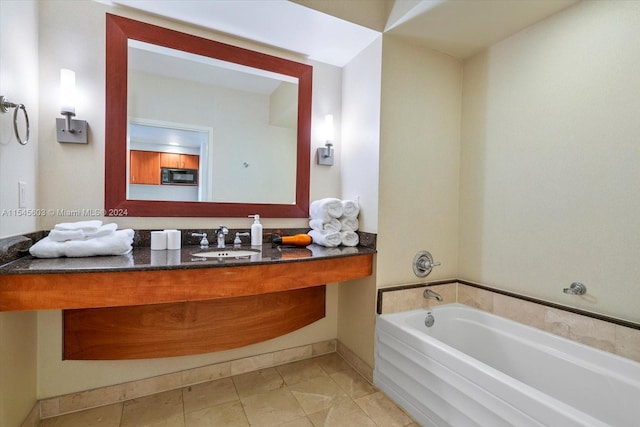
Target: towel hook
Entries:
(4, 107)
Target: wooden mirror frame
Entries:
(118, 31)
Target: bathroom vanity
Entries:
(169, 303)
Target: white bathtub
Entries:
(472, 368)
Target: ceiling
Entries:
(324, 30)
(279, 23)
(462, 28)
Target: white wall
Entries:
(71, 170)
(19, 83)
(18, 366)
(550, 155)
(360, 144)
(419, 161)
(360, 140)
(419, 92)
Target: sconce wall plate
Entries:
(77, 135)
(325, 155)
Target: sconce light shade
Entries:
(325, 154)
(328, 127)
(67, 92)
(68, 129)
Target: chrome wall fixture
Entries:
(68, 129)
(576, 288)
(326, 153)
(430, 294)
(4, 107)
(423, 264)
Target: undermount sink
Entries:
(228, 253)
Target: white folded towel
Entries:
(117, 243)
(79, 234)
(349, 224)
(91, 226)
(332, 225)
(325, 209)
(330, 239)
(64, 235)
(350, 209)
(349, 238)
(105, 230)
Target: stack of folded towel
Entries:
(83, 239)
(334, 222)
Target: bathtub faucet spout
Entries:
(429, 294)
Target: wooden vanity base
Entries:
(194, 327)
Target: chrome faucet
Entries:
(429, 294)
(222, 233)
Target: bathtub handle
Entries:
(576, 288)
(423, 264)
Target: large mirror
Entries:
(196, 127)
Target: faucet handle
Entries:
(237, 240)
(204, 243)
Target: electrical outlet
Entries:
(22, 194)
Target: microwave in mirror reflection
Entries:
(173, 176)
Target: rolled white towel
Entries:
(91, 226)
(325, 209)
(329, 239)
(350, 209)
(349, 238)
(117, 243)
(349, 224)
(332, 225)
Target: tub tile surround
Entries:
(601, 334)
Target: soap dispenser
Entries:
(256, 231)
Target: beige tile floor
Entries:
(323, 391)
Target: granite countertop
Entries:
(15, 258)
(143, 258)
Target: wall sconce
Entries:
(325, 154)
(68, 129)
